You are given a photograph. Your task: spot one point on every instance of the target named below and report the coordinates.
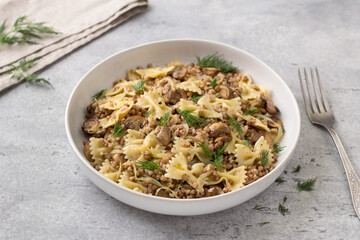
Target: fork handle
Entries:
(353, 178)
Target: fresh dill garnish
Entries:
(164, 119)
(19, 72)
(235, 124)
(216, 156)
(149, 165)
(217, 95)
(195, 97)
(282, 209)
(312, 160)
(264, 158)
(251, 111)
(263, 223)
(118, 130)
(148, 113)
(213, 82)
(307, 185)
(277, 148)
(24, 31)
(216, 61)
(139, 86)
(247, 143)
(297, 169)
(98, 95)
(258, 207)
(279, 180)
(191, 120)
(284, 199)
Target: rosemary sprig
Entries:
(192, 120)
(251, 111)
(247, 143)
(216, 61)
(282, 209)
(277, 148)
(118, 130)
(148, 113)
(149, 165)
(235, 124)
(263, 223)
(297, 169)
(98, 95)
(195, 97)
(164, 119)
(139, 86)
(307, 185)
(213, 83)
(217, 156)
(279, 180)
(19, 72)
(258, 207)
(24, 31)
(264, 158)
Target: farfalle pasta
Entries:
(183, 131)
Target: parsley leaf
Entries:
(163, 119)
(307, 185)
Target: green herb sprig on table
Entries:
(307, 185)
(24, 31)
(217, 156)
(235, 124)
(263, 223)
(279, 180)
(139, 86)
(149, 165)
(297, 169)
(258, 207)
(19, 72)
(164, 119)
(191, 120)
(216, 61)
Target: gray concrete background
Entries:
(44, 195)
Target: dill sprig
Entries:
(264, 157)
(282, 209)
(148, 113)
(284, 199)
(247, 143)
(164, 119)
(192, 120)
(297, 169)
(279, 180)
(258, 207)
(251, 111)
(277, 148)
(307, 185)
(235, 124)
(19, 72)
(217, 156)
(98, 95)
(139, 86)
(149, 165)
(216, 61)
(24, 31)
(263, 223)
(118, 130)
(195, 97)
(312, 160)
(213, 83)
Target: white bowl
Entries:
(159, 53)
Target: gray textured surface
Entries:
(43, 194)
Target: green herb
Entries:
(263, 223)
(19, 72)
(235, 124)
(247, 143)
(148, 113)
(98, 95)
(139, 86)
(24, 31)
(282, 209)
(213, 82)
(264, 158)
(280, 180)
(313, 160)
(164, 119)
(195, 97)
(297, 169)
(311, 220)
(277, 148)
(217, 95)
(217, 156)
(251, 111)
(149, 165)
(284, 199)
(307, 185)
(118, 130)
(258, 208)
(216, 61)
(192, 120)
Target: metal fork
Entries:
(319, 112)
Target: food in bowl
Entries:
(183, 131)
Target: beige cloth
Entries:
(78, 21)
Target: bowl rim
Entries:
(101, 177)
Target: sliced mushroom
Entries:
(163, 135)
(219, 129)
(225, 92)
(268, 138)
(270, 106)
(179, 72)
(135, 122)
(254, 134)
(211, 71)
(162, 193)
(87, 151)
(276, 120)
(222, 139)
(91, 126)
(175, 96)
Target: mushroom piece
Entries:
(135, 122)
(268, 138)
(270, 106)
(175, 96)
(276, 120)
(163, 135)
(219, 129)
(211, 71)
(179, 72)
(225, 92)
(222, 139)
(254, 134)
(91, 126)
(87, 151)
